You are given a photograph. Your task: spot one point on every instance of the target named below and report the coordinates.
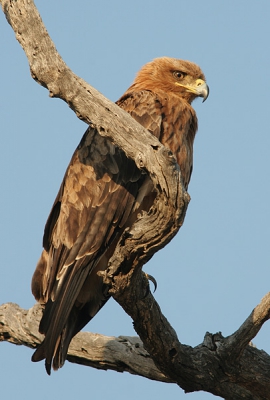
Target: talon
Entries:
(152, 279)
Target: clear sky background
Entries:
(216, 270)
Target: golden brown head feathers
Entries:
(183, 78)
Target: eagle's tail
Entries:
(54, 349)
(61, 320)
(76, 300)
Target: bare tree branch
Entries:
(238, 341)
(227, 367)
(49, 70)
(124, 353)
(204, 367)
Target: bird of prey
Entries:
(101, 195)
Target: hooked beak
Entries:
(200, 88)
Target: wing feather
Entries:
(145, 107)
(100, 195)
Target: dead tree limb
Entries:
(228, 367)
(121, 354)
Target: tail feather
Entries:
(55, 351)
(40, 353)
(64, 317)
(59, 322)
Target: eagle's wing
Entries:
(145, 107)
(100, 195)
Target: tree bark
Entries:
(227, 367)
(122, 354)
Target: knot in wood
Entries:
(140, 160)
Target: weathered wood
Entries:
(228, 367)
(204, 367)
(122, 354)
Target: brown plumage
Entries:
(101, 194)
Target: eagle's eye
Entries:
(179, 75)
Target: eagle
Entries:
(101, 195)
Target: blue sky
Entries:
(216, 270)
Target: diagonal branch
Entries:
(209, 366)
(49, 70)
(239, 340)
